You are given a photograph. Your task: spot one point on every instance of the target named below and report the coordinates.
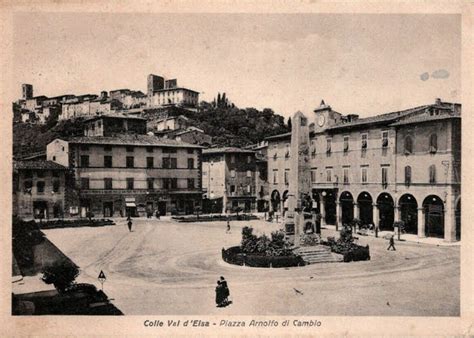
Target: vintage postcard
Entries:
(236, 168)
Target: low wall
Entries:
(234, 255)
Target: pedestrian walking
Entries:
(392, 244)
(228, 225)
(129, 223)
(222, 293)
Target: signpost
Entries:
(102, 278)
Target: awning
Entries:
(132, 205)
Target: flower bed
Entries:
(352, 252)
(234, 255)
(75, 223)
(211, 218)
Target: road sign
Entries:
(102, 278)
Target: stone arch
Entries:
(365, 204)
(409, 213)
(346, 201)
(433, 208)
(275, 200)
(386, 214)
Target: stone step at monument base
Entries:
(317, 254)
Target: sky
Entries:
(363, 64)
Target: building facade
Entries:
(39, 189)
(400, 166)
(131, 174)
(229, 179)
(110, 125)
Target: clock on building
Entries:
(321, 120)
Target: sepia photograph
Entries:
(219, 165)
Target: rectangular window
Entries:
(129, 149)
(108, 183)
(150, 182)
(249, 173)
(130, 162)
(190, 183)
(190, 163)
(232, 189)
(287, 152)
(149, 162)
(407, 176)
(346, 175)
(174, 183)
(149, 149)
(40, 187)
(108, 161)
(232, 173)
(384, 176)
(166, 162)
(173, 163)
(346, 144)
(364, 141)
(287, 174)
(27, 185)
(313, 149)
(364, 175)
(275, 176)
(85, 183)
(313, 175)
(56, 185)
(328, 145)
(130, 183)
(432, 170)
(107, 148)
(166, 183)
(384, 139)
(328, 175)
(190, 151)
(84, 161)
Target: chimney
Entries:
(438, 101)
(103, 95)
(27, 91)
(352, 117)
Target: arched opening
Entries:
(433, 207)
(386, 211)
(347, 207)
(458, 220)
(409, 213)
(364, 200)
(330, 207)
(275, 200)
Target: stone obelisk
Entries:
(300, 173)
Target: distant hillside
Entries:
(29, 139)
(227, 124)
(231, 126)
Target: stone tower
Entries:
(300, 174)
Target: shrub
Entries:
(276, 245)
(61, 276)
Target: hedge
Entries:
(211, 218)
(234, 255)
(74, 223)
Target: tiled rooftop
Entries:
(37, 165)
(227, 150)
(129, 139)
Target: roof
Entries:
(426, 118)
(37, 165)
(176, 88)
(279, 136)
(226, 150)
(173, 118)
(189, 130)
(115, 116)
(381, 118)
(131, 139)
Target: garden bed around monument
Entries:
(234, 255)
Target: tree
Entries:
(289, 123)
